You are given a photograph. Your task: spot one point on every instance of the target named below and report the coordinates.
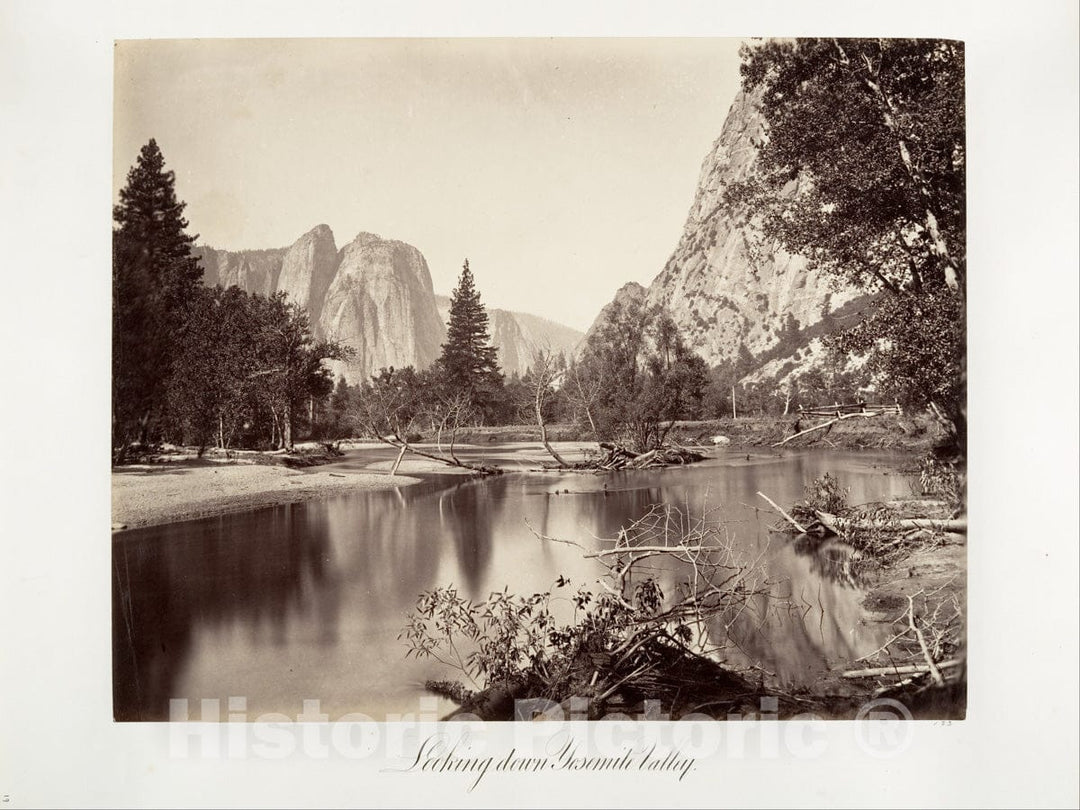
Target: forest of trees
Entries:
(221, 367)
(199, 365)
(876, 127)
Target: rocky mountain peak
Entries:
(722, 285)
(629, 293)
(307, 269)
(381, 303)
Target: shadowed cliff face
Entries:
(254, 271)
(628, 294)
(720, 290)
(308, 268)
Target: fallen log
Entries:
(829, 522)
(453, 461)
(836, 524)
(619, 458)
(616, 449)
(908, 669)
(643, 460)
(935, 671)
(831, 422)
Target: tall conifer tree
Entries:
(154, 277)
(468, 363)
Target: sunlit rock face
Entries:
(722, 285)
(381, 303)
(374, 294)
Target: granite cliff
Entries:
(722, 286)
(376, 296)
(373, 294)
(382, 304)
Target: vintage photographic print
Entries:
(507, 379)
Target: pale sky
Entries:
(562, 168)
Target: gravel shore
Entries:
(150, 494)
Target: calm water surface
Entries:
(306, 601)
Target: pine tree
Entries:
(468, 363)
(154, 278)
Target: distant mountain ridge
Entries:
(518, 336)
(375, 295)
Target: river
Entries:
(306, 601)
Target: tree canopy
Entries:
(863, 172)
(636, 376)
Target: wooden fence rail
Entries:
(838, 409)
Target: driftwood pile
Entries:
(824, 524)
(617, 457)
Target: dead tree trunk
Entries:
(397, 463)
(396, 441)
(538, 403)
(828, 424)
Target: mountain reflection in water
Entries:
(306, 601)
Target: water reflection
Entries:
(256, 570)
(834, 560)
(306, 601)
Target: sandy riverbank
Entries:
(150, 494)
(179, 486)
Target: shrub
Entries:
(824, 494)
(944, 479)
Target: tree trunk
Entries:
(538, 406)
(397, 463)
(453, 441)
(592, 424)
(286, 427)
(662, 433)
(144, 428)
(954, 422)
(938, 246)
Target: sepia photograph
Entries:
(486, 405)
(543, 376)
